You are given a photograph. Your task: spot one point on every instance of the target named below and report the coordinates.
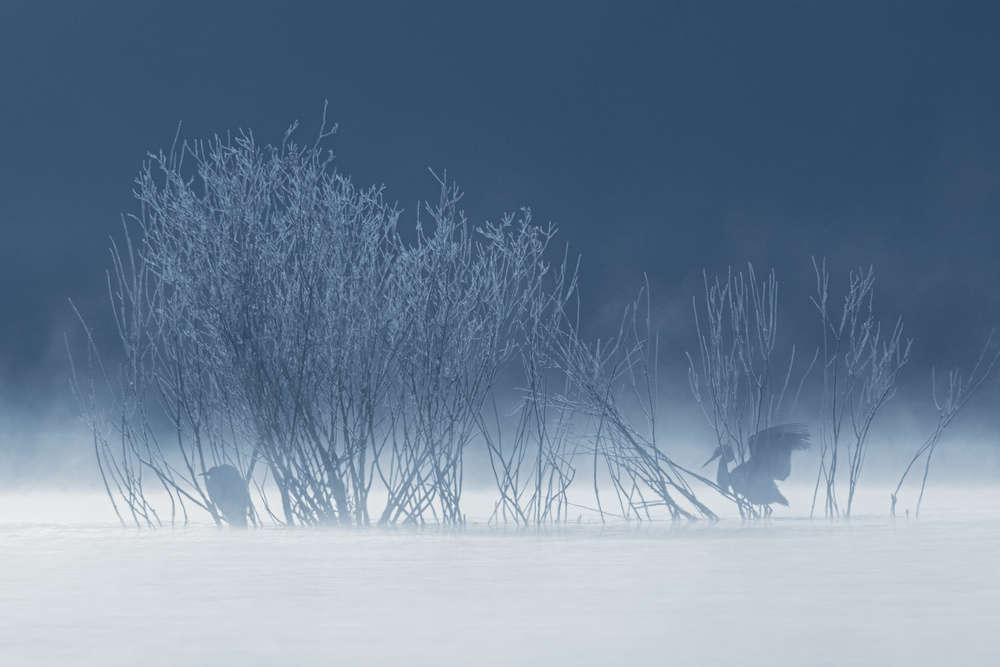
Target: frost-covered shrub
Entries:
(861, 365)
(272, 319)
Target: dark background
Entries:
(662, 138)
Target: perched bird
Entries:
(770, 458)
(228, 492)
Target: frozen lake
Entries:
(785, 592)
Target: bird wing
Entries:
(773, 446)
(755, 486)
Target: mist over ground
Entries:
(709, 594)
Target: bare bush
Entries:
(272, 319)
(860, 369)
(473, 302)
(608, 381)
(960, 390)
(737, 383)
(533, 462)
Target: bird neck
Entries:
(722, 475)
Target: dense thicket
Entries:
(272, 319)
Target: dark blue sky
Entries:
(662, 137)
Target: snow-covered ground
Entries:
(784, 592)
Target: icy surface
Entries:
(787, 592)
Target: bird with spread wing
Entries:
(769, 460)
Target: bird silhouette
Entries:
(770, 458)
(228, 492)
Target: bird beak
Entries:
(717, 454)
